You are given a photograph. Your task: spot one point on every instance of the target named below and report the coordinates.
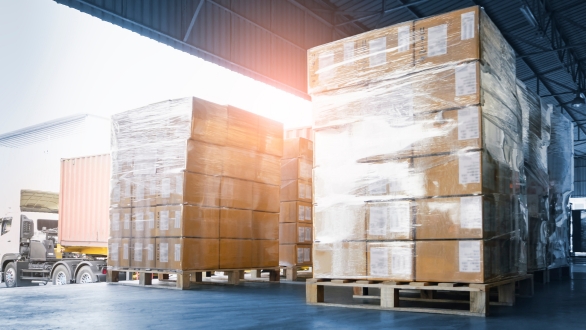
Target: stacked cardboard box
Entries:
(195, 186)
(418, 162)
(295, 221)
(536, 137)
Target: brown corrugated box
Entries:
(143, 222)
(251, 166)
(144, 190)
(204, 158)
(265, 197)
(295, 255)
(201, 190)
(242, 129)
(142, 253)
(296, 190)
(121, 192)
(340, 222)
(209, 122)
(390, 220)
(119, 252)
(120, 222)
(270, 136)
(187, 221)
(296, 168)
(295, 211)
(265, 226)
(236, 193)
(235, 253)
(265, 253)
(298, 148)
(235, 223)
(187, 253)
(391, 261)
(295, 233)
(339, 260)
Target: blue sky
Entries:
(56, 61)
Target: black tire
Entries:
(10, 275)
(84, 276)
(61, 276)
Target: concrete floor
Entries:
(560, 304)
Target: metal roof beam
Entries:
(188, 32)
(552, 50)
(383, 12)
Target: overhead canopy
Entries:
(39, 201)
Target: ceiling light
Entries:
(578, 101)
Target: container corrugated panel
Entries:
(304, 132)
(84, 201)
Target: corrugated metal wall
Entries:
(579, 177)
(264, 39)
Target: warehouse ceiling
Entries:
(268, 39)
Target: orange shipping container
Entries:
(84, 201)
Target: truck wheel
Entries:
(61, 276)
(84, 276)
(10, 275)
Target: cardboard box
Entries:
(296, 168)
(120, 223)
(340, 222)
(265, 253)
(209, 122)
(265, 197)
(119, 252)
(295, 255)
(377, 54)
(345, 260)
(203, 158)
(201, 190)
(142, 253)
(251, 166)
(390, 220)
(121, 192)
(235, 223)
(270, 137)
(298, 148)
(143, 222)
(170, 188)
(391, 261)
(295, 233)
(235, 253)
(187, 221)
(242, 129)
(295, 211)
(187, 253)
(265, 225)
(236, 193)
(296, 190)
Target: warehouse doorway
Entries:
(577, 234)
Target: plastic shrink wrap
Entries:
(418, 164)
(536, 139)
(561, 179)
(195, 186)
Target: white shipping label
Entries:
(467, 28)
(326, 69)
(300, 190)
(177, 252)
(137, 251)
(466, 79)
(126, 189)
(306, 254)
(164, 252)
(151, 252)
(401, 261)
(300, 212)
(125, 251)
(437, 40)
(179, 184)
(300, 256)
(139, 218)
(378, 187)
(471, 212)
(348, 53)
(395, 185)
(399, 217)
(151, 217)
(377, 222)
(127, 221)
(468, 127)
(115, 221)
(377, 51)
(308, 234)
(403, 39)
(469, 256)
(139, 195)
(469, 168)
(164, 222)
(308, 191)
(300, 234)
(177, 219)
(308, 213)
(116, 193)
(166, 188)
(113, 252)
(379, 262)
(153, 187)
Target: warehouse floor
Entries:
(558, 304)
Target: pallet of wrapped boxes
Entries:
(295, 224)
(195, 188)
(418, 163)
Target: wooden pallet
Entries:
(188, 279)
(291, 273)
(479, 294)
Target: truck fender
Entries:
(66, 264)
(8, 257)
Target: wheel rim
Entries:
(85, 278)
(9, 277)
(61, 278)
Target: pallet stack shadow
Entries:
(418, 164)
(295, 227)
(195, 186)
